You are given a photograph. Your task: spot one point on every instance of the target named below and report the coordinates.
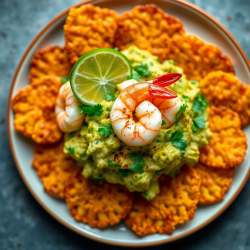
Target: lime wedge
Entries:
(98, 72)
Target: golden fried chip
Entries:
(99, 205)
(53, 167)
(53, 60)
(215, 182)
(149, 28)
(198, 58)
(34, 110)
(87, 28)
(175, 204)
(225, 89)
(227, 146)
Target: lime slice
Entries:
(98, 72)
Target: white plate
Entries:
(195, 21)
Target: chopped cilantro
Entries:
(158, 59)
(116, 89)
(82, 155)
(96, 142)
(64, 79)
(142, 69)
(176, 124)
(199, 122)
(107, 108)
(139, 162)
(163, 122)
(199, 104)
(181, 110)
(151, 64)
(186, 97)
(94, 110)
(123, 172)
(85, 123)
(194, 82)
(141, 171)
(110, 97)
(105, 130)
(71, 150)
(134, 76)
(177, 140)
(116, 48)
(166, 135)
(112, 164)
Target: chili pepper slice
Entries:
(167, 79)
(160, 92)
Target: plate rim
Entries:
(53, 214)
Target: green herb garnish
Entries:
(200, 104)
(199, 122)
(110, 97)
(94, 110)
(186, 97)
(139, 162)
(163, 122)
(123, 172)
(71, 150)
(105, 130)
(181, 110)
(142, 69)
(64, 79)
(177, 140)
(166, 135)
(193, 82)
(134, 76)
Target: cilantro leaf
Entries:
(64, 79)
(105, 130)
(163, 122)
(94, 110)
(110, 97)
(112, 164)
(123, 172)
(135, 76)
(71, 150)
(200, 104)
(166, 135)
(176, 135)
(151, 64)
(181, 110)
(142, 69)
(177, 140)
(181, 144)
(194, 82)
(82, 155)
(141, 171)
(199, 122)
(186, 97)
(171, 62)
(139, 162)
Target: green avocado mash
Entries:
(103, 156)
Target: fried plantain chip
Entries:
(225, 89)
(227, 146)
(34, 110)
(215, 182)
(149, 28)
(53, 167)
(175, 204)
(53, 60)
(99, 205)
(87, 28)
(198, 58)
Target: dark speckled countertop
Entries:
(24, 224)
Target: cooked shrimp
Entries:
(68, 117)
(167, 107)
(144, 128)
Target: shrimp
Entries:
(167, 107)
(147, 123)
(68, 117)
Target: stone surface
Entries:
(26, 225)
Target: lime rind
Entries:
(98, 72)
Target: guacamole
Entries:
(104, 156)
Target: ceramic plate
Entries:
(195, 21)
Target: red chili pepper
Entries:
(160, 92)
(167, 79)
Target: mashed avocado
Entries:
(138, 168)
